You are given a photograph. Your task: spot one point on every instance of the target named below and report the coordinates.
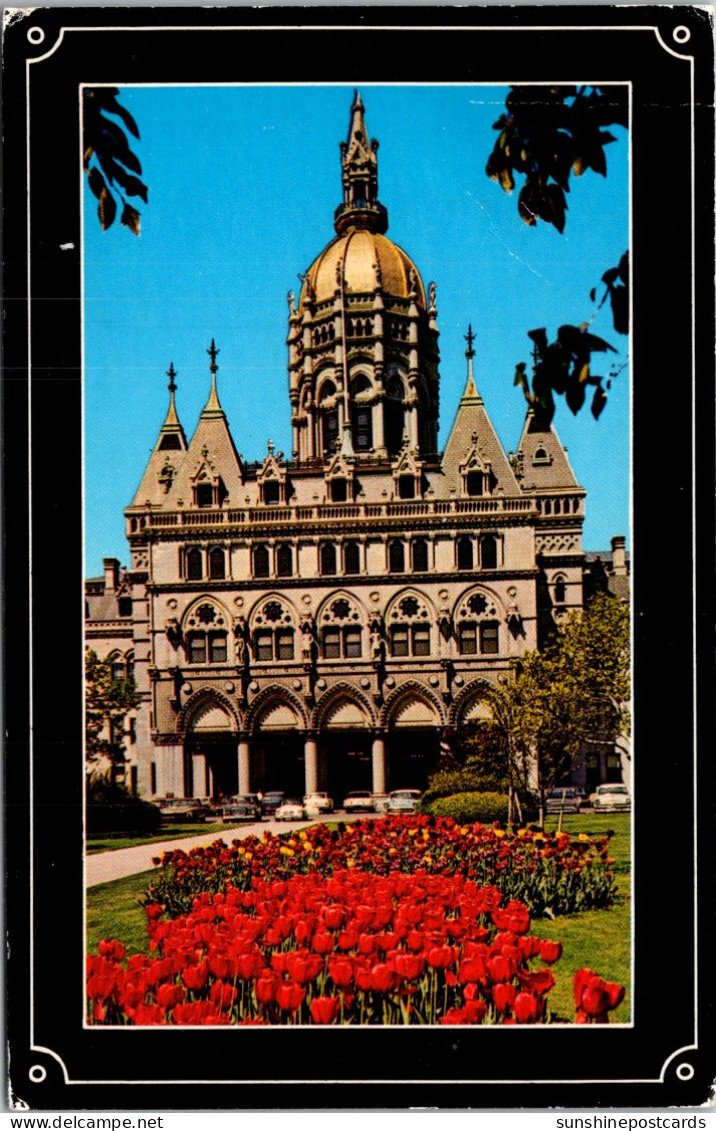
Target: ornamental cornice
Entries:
(349, 581)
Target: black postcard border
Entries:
(667, 1056)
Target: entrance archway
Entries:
(413, 743)
(210, 754)
(277, 751)
(345, 758)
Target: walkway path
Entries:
(116, 863)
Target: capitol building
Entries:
(327, 619)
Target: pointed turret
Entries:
(211, 474)
(474, 454)
(359, 162)
(165, 460)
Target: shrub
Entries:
(466, 808)
(111, 808)
(467, 779)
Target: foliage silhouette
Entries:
(547, 134)
(113, 169)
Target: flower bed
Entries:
(550, 873)
(354, 948)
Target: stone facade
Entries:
(325, 621)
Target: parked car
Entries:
(315, 803)
(359, 801)
(564, 800)
(271, 801)
(290, 810)
(612, 798)
(380, 802)
(242, 809)
(183, 809)
(403, 800)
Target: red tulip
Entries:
(340, 969)
(503, 995)
(221, 966)
(527, 1008)
(169, 994)
(334, 917)
(265, 987)
(475, 1011)
(324, 1010)
(615, 993)
(550, 951)
(148, 1015)
(409, 965)
(439, 957)
(538, 981)
(382, 978)
(289, 996)
(248, 966)
(472, 970)
(500, 968)
(112, 948)
(195, 977)
(322, 942)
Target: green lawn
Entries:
(106, 843)
(599, 940)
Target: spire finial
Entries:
(171, 424)
(213, 353)
(171, 374)
(471, 393)
(213, 407)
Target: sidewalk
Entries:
(115, 864)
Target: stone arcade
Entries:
(325, 621)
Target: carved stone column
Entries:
(244, 759)
(310, 751)
(379, 763)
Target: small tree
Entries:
(107, 702)
(575, 690)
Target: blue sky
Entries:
(243, 182)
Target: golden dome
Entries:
(358, 251)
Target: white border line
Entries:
(373, 28)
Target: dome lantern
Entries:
(359, 163)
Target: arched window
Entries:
(328, 559)
(396, 556)
(130, 666)
(477, 625)
(340, 629)
(217, 564)
(284, 561)
(408, 623)
(119, 667)
(465, 558)
(560, 591)
(351, 558)
(124, 606)
(420, 555)
(204, 495)
(273, 632)
(261, 561)
(394, 416)
(488, 551)
(194, 566)
(362, 428)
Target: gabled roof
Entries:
(211, 454)
(167, 457)
(472, 434)
(544, 460)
